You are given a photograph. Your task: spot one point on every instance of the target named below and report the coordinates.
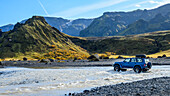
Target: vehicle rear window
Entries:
(146, 60)
(139, 60)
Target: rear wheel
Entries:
(137, 69)
(117, 68)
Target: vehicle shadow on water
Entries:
(129, 71)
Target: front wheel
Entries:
(137, 69)
(117, 68)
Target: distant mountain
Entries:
(7, 27)
(141, 26)
(70, 27)
(37, 36)
(56, 22)
(112, 23)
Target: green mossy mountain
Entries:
(35, 35)
(141, 26)
(148, 43)
(112, 23)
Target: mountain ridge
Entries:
(157, 23)
(111, 23)
(61, 24)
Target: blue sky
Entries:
(13, 11)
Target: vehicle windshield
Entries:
(146, 60)
(127, 60)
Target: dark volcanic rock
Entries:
(150, 87)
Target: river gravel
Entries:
(61, 81)
(150, 87)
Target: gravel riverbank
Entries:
(19, 81)
(78, 63)
(149, 87)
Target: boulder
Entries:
(24, 59)
(44, 61)
(51, 60)
(159, 57)
(120, 57)
(93, 58)
(164, 56)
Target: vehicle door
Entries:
(132, 62)
(126, 63)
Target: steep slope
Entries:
(127, 45)
(141, 26)
(56, 22)
(36, 35)
(74, 27)
(111, 23)
(70, 27)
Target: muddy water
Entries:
(34, 82)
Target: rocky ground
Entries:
(150, 87)
(58, 81)
(78, 63)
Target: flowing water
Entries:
(60, 81)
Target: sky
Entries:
(13, 11)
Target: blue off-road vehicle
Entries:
(138, 65)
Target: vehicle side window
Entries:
(139, 60)
(133, 60)
(127, 60)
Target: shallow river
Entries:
(54, 82)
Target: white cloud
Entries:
(157, 4)
(163, 2)
(152, 2)
(82, 9)
(43, 7)
(137, 5)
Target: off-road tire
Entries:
(116, 68)
(137, 69)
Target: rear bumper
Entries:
(146, 68)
